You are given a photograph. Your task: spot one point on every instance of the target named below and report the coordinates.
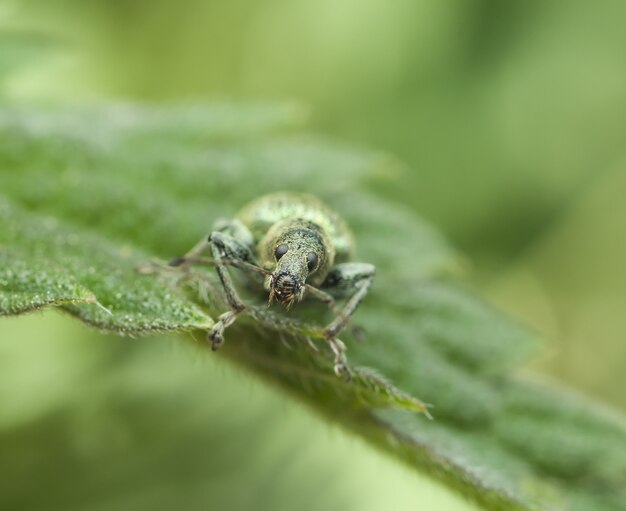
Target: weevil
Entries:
(298, 247)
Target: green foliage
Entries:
(90, 196)
(19, 48)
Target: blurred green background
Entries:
(509, 116)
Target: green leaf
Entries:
(90, 196)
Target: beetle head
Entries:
(299, 251)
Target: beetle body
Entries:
(300, 246)
(314, 238)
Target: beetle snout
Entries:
(285, 288)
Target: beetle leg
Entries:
(196, 251)
(354, 280)
(322, 296)
(229, 245)
(225, 247)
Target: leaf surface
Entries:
(89, 196)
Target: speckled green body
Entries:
(304, 223)
(301, 247)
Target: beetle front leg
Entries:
(231, 244)
(353, 280)
(322, 296)
(225, 247)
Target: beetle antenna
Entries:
(271, 299)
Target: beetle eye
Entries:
(281, 250)
(311, 261)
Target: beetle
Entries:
(300, 247)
